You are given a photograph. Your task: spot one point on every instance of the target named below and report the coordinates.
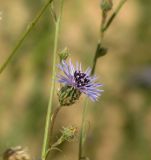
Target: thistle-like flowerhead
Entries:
(77, 81)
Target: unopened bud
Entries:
(101, 51)
(106, 5)
(69, 133)
(64, 54)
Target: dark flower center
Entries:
(81, 79)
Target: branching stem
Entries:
(107, 25)
(104, 26)
(25, 34)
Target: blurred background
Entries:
(120, 122)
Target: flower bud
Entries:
(68, 95)
(101, 51)
(106, 5)
(69, 133)
(64, 54)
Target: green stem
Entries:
(85, 108)
(53, 118)
(122, 2)
(103, 20)
(82, 133)
(53, 122)
(49, 111)
(25, 34)
(103, 28)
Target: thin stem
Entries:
(95, 59)
(103, 20)
(49, 111)
(122, 2)
(25, 34)
(85, 108)
(104, 26)
(53, 118)
(54, 16)
(82, 134)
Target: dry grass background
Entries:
(119, 124)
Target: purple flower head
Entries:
(80, 80)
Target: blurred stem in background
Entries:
(25, 34)
(122, 2)
(106, 5)
(49, 121)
